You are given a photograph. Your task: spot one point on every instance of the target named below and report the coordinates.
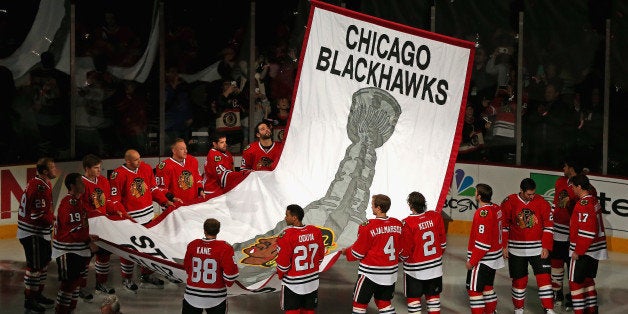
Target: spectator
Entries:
(51, 104)
(118, 42)
(71, 243)
(131, 117)
(281, 113)
(179, 117)
(282, 71)
(178, 175)
(34, 227)
(528, 238)
(208, 295)
(230, 111)
(230, 68)
(263, 154)
(422, 245)
(377, 273)
(481, 80)
(484, 252)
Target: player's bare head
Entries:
(179, 149)
(574, 164)
(217, 136)
(131, 155)
(416, 201)
(382, 201)
(72, 179)
(527, 184)
(211, 227)
(295, 211)
(263, 130)
(91, 160)
(582, 181)
(484, 191)
(43, 164)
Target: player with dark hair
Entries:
(263, 154)
(301, 250)
(178, 176)
(34, 225)
(210, 267)
(587, 246)
(484, 252)
(528, 238)
(220, 175)
(71, 243)
(423, 243)
(377, 249)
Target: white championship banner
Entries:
(377, 110)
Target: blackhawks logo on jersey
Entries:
(186, 181)
(526, 219)
(98, 198)
(138, 187)
(584, 202)
(264, 162)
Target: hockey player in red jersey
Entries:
(71, 243)
(423, 242)
(263, 154)
(301, 251)
(97, 202)
(34, 225)
(528, 238)
(133, 188)
(377, 249)
(484, 252)
(210, 267)
(220, 176)
(587, 246)
(178, 176)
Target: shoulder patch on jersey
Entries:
(584, 202)
(247, 147)
(217, 158)
(483, 213)
(113, 175)
(40, 188)
(73, 201)
(365, 223)
(161, 165)
(282, 234)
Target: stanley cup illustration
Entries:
(372, 119)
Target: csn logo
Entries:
(461, 193)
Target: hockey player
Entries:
(484, 252)
(263, 154)
(528, 237)
(34, 225)
(210, 267)
(587, 247)
(178, 176)
(301, 251)
(423, 242)
(220, 176)
(377, 248)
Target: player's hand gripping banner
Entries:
(378, 108)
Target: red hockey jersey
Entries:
(136, 190)
(211, 268)
(528, 226)
(588, 235)
(71, 228)
(564, 200)
(219, 175)
(301, 251)
(485, 241)
(97, 197)
(36, 213)
(423, 242)
(255, 157)
(377, 248)
(180, 178)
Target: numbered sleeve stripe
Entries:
(142, 212)
(443, 245)
(357, 255)
(524, 244)
(33, 229)
(423, 266)
(586, 234)
(69, 246)
(228, 277)
(597, 246)
(378, 270)
(482, 246)
(223, 178)
(490, 256)
(206, 293)
(37, 215)
(284, 268)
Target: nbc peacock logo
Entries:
(461, 194)
(464, 184)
